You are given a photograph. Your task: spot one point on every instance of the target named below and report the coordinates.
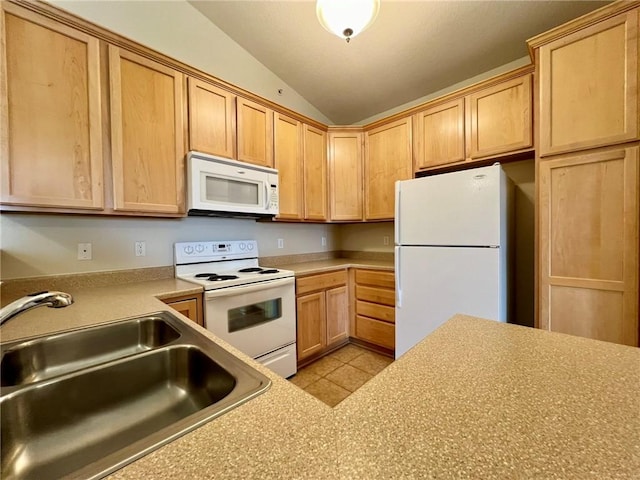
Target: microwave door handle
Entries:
(253, 287)
(266, 197)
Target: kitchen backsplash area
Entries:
(366, 237)
(38, 245)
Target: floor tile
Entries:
(349, 377)
(304, 377)
(328, 392)
(347, 353)
(324, 366)
(370, 362)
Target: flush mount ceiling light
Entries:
(347, 18)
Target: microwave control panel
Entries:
(273, 198)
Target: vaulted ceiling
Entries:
(413, 48)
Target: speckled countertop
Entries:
(475, 399)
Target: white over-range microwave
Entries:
(222, 187)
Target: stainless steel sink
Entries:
(109, 409)
(46, 357)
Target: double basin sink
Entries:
(84, 403)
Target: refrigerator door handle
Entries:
(398, 277)
(396, 222)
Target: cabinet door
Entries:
(188, 305)
(288, 161)
(50, 123)
(312, 331)
(255, 133)
(212, 119)
(501, 118)
(589, 245)
(188, 308)
(345, 175)
(387, 159)
(147, 134)
(440, 135)
(337, 315)
(589, 86)
(315, 173)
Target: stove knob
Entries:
(250, 246)
(199, 248)
(188, 249)
(242, 246)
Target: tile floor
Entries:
(336, 376)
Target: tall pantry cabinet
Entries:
(588, 176)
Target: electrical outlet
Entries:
(141, 249)
(385, 240)
(324, 241)
(84, 251)
(280, 243)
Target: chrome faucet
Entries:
(38, 299)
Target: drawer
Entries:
(377, 332)
(321, 281)
(373, 310)
(376, 278)
(383, 296)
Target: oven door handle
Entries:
(242, 289)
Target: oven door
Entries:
(257, 318)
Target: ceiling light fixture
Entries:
(347, 18)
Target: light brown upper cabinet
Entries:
(589, 86)
(500, 118)
(439, 135)
(255, 133)
(147, 119)
(387, 159)
(212, 119)
(288, 162)
(50, 113)
(315, 173)
(489, 121)
(589, 227)
(345, 174)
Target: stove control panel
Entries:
(211, 251)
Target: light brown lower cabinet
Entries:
(375, 307)
(589, 228)
(322, 302)
(188, 305)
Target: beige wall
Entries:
(34, 245)
(522, 242)
(366, 237)
(178, 30)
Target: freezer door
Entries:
(460, 208)
(435, 283)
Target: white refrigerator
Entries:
(451, 250)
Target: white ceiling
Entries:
(413, 48)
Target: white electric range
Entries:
(248, 306)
